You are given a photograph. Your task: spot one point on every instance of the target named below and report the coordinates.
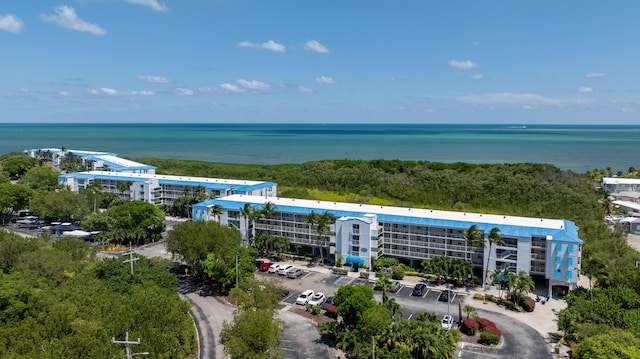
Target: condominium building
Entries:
(97, 161)
(360, 233)
(163, 189)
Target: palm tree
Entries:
(472, 237)
(216, 211)
(471, 311)
(324, 229)
(312, 218)
(493, 238)
(592, 267)
(384, 284)
(247, 212)
(94, 188)
(522, 284)
(123, 187)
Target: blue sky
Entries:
(241, 61)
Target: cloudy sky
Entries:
(250, 61)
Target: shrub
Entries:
(364, 275)
(315, 309)
(487, 337)
(527, 304)
(397, 272)
(381, 274)
(478, 296)
(340, 271)
(331, 311)
(469, 326)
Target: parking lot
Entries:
(330, 283)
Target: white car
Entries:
(283, 269)
(317, 299)
(304, 297)
(447, 322)
(273, 268)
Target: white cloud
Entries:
(66, 17)
(231, 88)
(153, 78)
(527, 107)
(253, 85)
(141, 93)
(109, 92)
(313, 45)
(462, 65)
(510, 98)
(269, 45)
(63, 93)
(10, 23)
(325, 80)
(585, 89)
(477, 76)
(206, 89)
(113, 92)
(305, 89)
(154, 4)
(595, 75)
(183, 91)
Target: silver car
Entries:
(294, 273)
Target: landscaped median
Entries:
(515, 303)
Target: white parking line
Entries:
(425, 293)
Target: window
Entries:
(558, 260)
(558, 247)
(570, 261)
(569, 274)
(570, 248)
(558, 273)
(356, 226)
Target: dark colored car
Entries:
(444, 296)
(419, 290)
(327, 302)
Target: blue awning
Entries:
(355, 260)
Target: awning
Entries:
(355, 260)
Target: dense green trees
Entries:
(211, 249)
(367, 326)
(56, 302)
(536, 190)
(17, 163)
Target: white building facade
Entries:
(163, 189)
(548, 248)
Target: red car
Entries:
(264, 266)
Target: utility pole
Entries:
(127, 344)
(131, 258)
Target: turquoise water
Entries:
(578, 148)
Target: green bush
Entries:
(478, 296)
(315, 310)
(364, 275)
(339, 271)
(488, 337)
(380, 274)
(397, 272)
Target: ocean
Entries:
(576, 148)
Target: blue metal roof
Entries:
(569, 232)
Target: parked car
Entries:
(317, 299)
(273, 268)
(294, 273)
(447, 322)
(264, 266)
(327, 302)
(444, 296)
(304, 297)
(419, 290)
(283, 269)
(395, 286)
